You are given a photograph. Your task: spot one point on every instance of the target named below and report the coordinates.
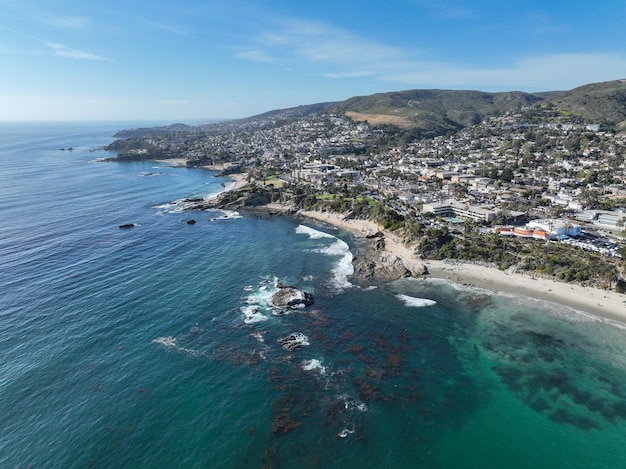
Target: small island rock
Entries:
(291, 297)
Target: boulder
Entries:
(294, 341)
(291, 297)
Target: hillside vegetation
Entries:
(435, 112)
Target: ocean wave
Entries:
(227, 215)
(312, 233)
(312, 365)
(252, 315)
(262, 296)
(412, 302)
(259, 301)
(344, 268)
(345, 433)
(181, 205)
(176, 206)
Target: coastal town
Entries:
(534, 174)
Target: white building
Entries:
(556, 227)
(452, 208)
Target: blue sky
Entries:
(190, 60)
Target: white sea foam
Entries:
(349, 403)
(283, 311)
(413, 302)
(258, 336)
(263, 295)
(176, 206)
(171, 343)
(312, 233)
(167, 342)
(312, 365)
(344, 268)
(345, 433)
(258, 302)
(228, 215)
(252, 314)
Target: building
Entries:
(556, 227)
(455, 209)
(610, 219)
(542, 229)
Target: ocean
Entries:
(156, 345)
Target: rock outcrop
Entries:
(291, 297)
(379, 268)
(373, 264)
(294, 341)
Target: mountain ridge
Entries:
(437, 111)
(433, 112)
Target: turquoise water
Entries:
(155, 346)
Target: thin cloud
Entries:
(547, 72)
(341, 54)
(168, 27)
(59, 49)
(79, 23)
(316, 42)
(67, 52)
(256, 56)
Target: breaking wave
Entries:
(413, 302)
(344, 268)
(313, 365)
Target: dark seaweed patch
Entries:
(554, 377)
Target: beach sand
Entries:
(602, 303)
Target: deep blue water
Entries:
(155, 346)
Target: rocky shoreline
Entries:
(380, 257)
(372, 262)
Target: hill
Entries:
(429, 113)
(603, 103)
(435, 112)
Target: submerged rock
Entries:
(294, 341)
(291, 297)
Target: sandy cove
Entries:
(602, 303)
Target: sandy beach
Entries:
(602, 303)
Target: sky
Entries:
(192, 60)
